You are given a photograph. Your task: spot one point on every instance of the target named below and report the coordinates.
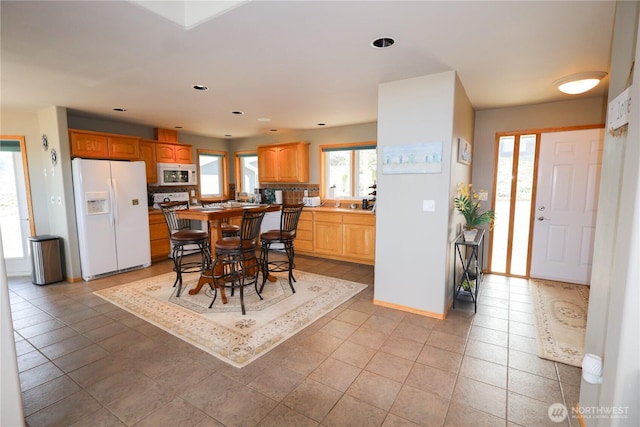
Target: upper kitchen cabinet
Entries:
(148, 154)
(166, 135)
(284, 162)
(97, 145)
(173, 153)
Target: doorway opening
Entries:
(15, 205)
(515, 173)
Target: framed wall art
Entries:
(412, 158)
(464, 151)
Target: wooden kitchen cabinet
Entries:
(158, 235)
(359, 237)
(344, 236)
(173, 153)
(304, 233)
(165, 135)
(284, 162)
(327, 233)
(148, 154)
(97, 145)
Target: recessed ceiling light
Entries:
(228, 135)
(177, 127)
(200, 87)
(322, 124)
(237, 112)
(273, 130)
(579, 83)
(120, 109)
(383, 42)
(264, 119)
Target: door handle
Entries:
(541, 218)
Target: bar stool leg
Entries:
(288, 247)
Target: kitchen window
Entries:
(246, 163)
(348, 170)
(212, 174)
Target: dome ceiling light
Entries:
(579, 83)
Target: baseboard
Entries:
(425, 313)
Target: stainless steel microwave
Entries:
(177, 174)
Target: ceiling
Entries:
(294, 63)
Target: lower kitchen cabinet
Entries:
(159, 236)
(344, 236)
(359, 237)
(304, 233)
(327, 233)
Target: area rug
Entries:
(561, 318)
(222, 330)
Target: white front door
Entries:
(14, 212)
(566, 203)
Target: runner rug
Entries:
(222, 330)
(561, 318)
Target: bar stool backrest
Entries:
(289, 219)
(251, 222)
(174, 223)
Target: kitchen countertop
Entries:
(357, 210)
(346, 210)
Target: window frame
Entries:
(224, 179)
(237, 156)
(353, 146)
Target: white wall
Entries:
(11, 412)
(26, 124)
(612, 320)
(412, 246)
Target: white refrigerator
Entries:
(112, 216)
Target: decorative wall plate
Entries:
(45, 142)
(54, 157)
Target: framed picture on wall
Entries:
(412, 158)
(464, 151)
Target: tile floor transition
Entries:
(85, 362)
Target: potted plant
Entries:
(467, 202)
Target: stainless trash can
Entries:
(46, 260)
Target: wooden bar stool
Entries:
(181, 235)
(235, 264)
(282, 239)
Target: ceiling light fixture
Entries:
(237, 112)
(383, 42)
(579, 83)
(120, 109)
(200, 87)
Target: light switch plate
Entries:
(429, 205)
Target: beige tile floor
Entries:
(85, 362)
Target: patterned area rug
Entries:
(223, 331)
(561, 318)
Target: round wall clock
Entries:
(54, 157)
(45, 142)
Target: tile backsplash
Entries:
(293, 193)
